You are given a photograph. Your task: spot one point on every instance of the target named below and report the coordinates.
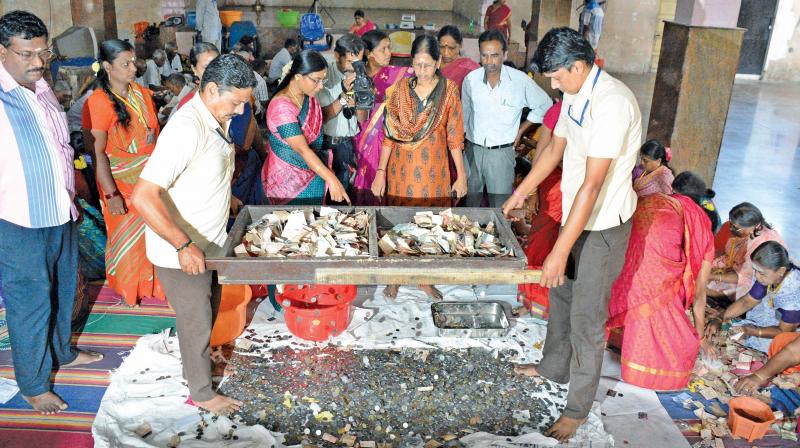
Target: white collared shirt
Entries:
(194, 164)
(152, 76)
(492, 115)
(602, 121)
(338, 126)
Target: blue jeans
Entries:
(39, 268)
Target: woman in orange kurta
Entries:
(422, 122)
(124, 126)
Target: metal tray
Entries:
(483, 319)
(374, 269)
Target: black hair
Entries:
(452, 31)
(259, 65)
(689, 184)
(747, 215)
(290, 42)
(493, 35)
(426, 44)
(772, 255)
(229, 71)
(20, 24)
(372, 39)
(200, 48)
(109, 52)
(307, 61)
(246, 39)
(561, 48)
(654, 150)
(348, 44)
(358, 13)
(522, 166)
(176, 78)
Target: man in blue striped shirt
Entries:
(38, 239)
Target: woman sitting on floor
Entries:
(773, 304)
(666, 266)
(732, 272)
(784, 359)
(653, 174)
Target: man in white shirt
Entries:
(184, 197)
(173, 64)
(261, 92)
(598, 136)
(152, 76)
(338, 108)
(283, 57)
(492, 98)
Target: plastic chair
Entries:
(401, 43)
(312, 30)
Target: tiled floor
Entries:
(760, 157)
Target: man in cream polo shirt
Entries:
(598, 136)
(184, 197)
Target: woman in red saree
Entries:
(498, 17)
(546, 211)
(454, 66)
(666, 267)
(124, 126)
(361, 25)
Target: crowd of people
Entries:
(626, 246)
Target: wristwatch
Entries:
(343, 101)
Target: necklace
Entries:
(299, 104)
(774, 292)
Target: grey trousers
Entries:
(573, 349)
(490, 168)
(195, 299)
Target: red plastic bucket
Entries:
(315, 322)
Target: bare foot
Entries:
(520, 311)
(47, 403)
(220, 405)
(432, 292)
(564, 428)
(84, 357)
(527, 370)
(390, 292)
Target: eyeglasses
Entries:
(27, 56)
(420, 66)
(316, 81)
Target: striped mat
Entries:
(112, 328)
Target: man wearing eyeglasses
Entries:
(492, 98)
(598, 136)
(38, 239)
(341, 119)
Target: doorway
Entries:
(757, 17)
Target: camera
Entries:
(363, 88)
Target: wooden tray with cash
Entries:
(370, 246)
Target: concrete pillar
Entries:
(692, 93)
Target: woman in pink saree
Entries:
(454, 66)
(653, 175)
(666, 266)
(732, 272)
(368, 142)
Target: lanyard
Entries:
(586, 104)
(135, 106)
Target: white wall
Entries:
(783, 56)
(56, 14)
